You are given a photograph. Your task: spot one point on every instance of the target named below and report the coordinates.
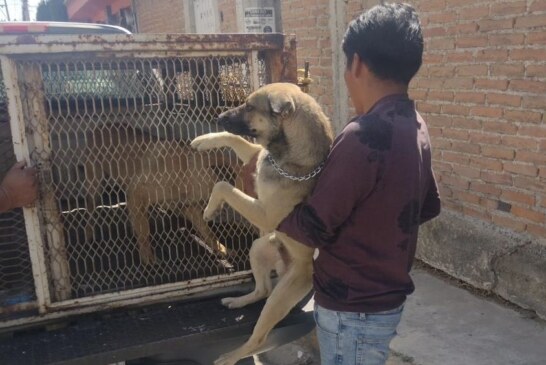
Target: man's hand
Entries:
(19, 187)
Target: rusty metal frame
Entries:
(280, 55)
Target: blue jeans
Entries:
(347, 338)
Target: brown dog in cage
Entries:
(152, 172)
(293, 137)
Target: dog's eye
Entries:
(249, 108)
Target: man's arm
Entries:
(349, 175)
(431, 205)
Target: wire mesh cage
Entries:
(121, 192)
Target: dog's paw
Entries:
(211, 211)
(233, 303)
(226, 359)
(205, 142)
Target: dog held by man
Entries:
(376, 188)
(293, 137)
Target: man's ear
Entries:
(281, 104)
(357, 67)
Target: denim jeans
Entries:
(347, 338)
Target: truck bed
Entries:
(198, 331)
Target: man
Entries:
(19, 187)
(376, 188)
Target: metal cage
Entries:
(108, 120)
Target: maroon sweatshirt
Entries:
(376, 188)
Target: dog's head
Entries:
(263, 113)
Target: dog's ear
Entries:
(281, 104)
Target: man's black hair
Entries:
(388, 40)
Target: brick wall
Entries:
(160, 16)
(482, 90)
(228, 16)
(309, 20)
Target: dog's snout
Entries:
(223, 119)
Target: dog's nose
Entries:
(223, 119)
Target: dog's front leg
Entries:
(242, 148)
(249, 207)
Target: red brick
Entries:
(484, 111)
(463, 28)
(435, 83)
(454, 206)
(465, 147)
(471, 41)
(454, 109)
(417, 94)
(460, 57)
(534, 102)
(521, 169)
(522, 116)
(504, 99)
(453, 133)
(517, 197)
(440, 43)
(542, 145)
(527, 183)
(506, 39)
(536, 131)
(534, 38)
(466, 197)
(432, 5)
(498, 152)
(441, 167)
(527, 54)
(429, 58)
(477, 213)
(519, 142)
(491, 84)
(455, 181)
(455, 157)
(528, 86)
(528, 214)
(499, 127)
(425, 107)
(472, 70)
(440, 95)
(438, 120)
(466, 171)
(485, 138)
(537, 230)
(497, 55)
(508, 222)
(531, 157)
(488, 189)
(507, 70)
(492, 24)
(441, 71)
(509, 8)
(470, 97)
(537, 5)
(459, 83)
(435, 132)
(530, 21)
(537, 70)
(434, 32)
(468, 123)
(491, 164)
(474, 13)
(490, 204)
(443, 17)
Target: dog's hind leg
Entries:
(137, 205)
(263, 258)
(250, 208)
(194, 215)
(291, 288)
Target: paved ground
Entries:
(444, 324)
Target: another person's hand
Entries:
(19, 187)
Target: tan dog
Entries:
(293, 139)
(168, 174)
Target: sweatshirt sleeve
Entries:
(431, 204)
(349, 175)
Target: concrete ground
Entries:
(444, 324)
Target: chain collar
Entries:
(281, 172)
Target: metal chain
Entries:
(281, 172)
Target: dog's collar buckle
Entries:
(285, 174)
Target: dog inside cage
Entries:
(124, 193)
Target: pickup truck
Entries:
(74, 288)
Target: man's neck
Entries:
(378, 90)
